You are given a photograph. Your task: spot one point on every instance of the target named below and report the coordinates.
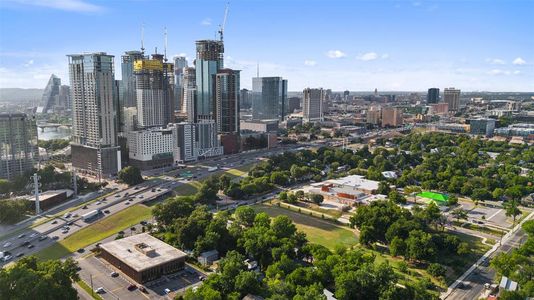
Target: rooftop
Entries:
(355, 181)
(142, 251)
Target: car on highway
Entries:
(21, 236)
(7, 257)
(43, 237)
(114, 274)
(33, 234)
(98, 202)
(30, 246)
(7, 244)
(64, 231)
(25, 243)
(21, 254)
(54, 222)
(55, 237)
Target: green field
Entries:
(317, 230)
(437, 197)
(96, 232)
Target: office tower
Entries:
(293, 104)
(154, 82)
(130, 119)
(94, 125)
(227, 109)
(18, 145)
(128, 78)
(346, 95)
(452, 97)
(312, 105)
(208, 142)
(227, 101)
(245, 99)
(190, 93)
(50, 96)
(432, 96)
(151, 148)
(482, 126)
(269, 98)
(392, 116)
(208, 62)
(64, 97)
(185, 142)
(180, 63)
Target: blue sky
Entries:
(356, 45)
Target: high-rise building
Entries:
(94, 132)
(190, 94)
(208, 142)
(451, 96)
(154, 81)
(293, 104)
(432, 96)
(64, 97)
(245, 99)
(392, 116)
(186, 144)
(373, 115)
(227, 101)
(208, 63)
(180, 62)
(269, 98)
(152, 148)
(312, 105)
(18, 144)
(50, 95)
(128, 78)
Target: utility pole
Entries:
(36, 186)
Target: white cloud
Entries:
(32, 76)
(310, 63)
(336, 54)
(66, 5)
(206, 22)
(499, 72)
(495, 61)
(368, 56)
(519, 61)
(29, 63)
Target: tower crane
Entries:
(221, 26)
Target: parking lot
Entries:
(99, 272)
(487, 213)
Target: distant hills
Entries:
(12, 95)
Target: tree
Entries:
(413, 190)
(397, 247)
(383, 188)
(247, 283)
(244, 215)
(12, 211)
(30, 278)
(419, 246)
(5, 186)
(310, 292)
(130, 175)
(396, 197)
(283, 227)
(167, 212)
(436, 270)
(459, 213)
(453, 200)
(316, 198)
(512, 210)
(282, 196)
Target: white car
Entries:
(99, 290)
(8, 257)
(33, 234)
(167, 291)
(7, 244)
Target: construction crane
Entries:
(221, 27)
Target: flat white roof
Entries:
(355, 181)
(125, 250)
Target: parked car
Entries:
(7, 257)
(7, 244)
(20, 254)
(84, 207)
(100, 290)
(55, 237)
(132, 287)
(21, 236)
(143, 289)
(106, 211)
(30, 246)
(114, 274)
(54, 222)
(81, 250)
(167, 291)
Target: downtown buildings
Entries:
(18, 145)
(451, 96)
(432, 97)
(269, 98)
(313, 104)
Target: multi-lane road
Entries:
(32, 240)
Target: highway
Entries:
(32, 240)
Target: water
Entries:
(52, 133)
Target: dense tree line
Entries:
(293, 268)
(130, 175)
(30, 278)
(53, 145)
(12, 211)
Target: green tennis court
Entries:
(437, 197)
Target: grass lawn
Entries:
(317, 230)
(187, 189)
(87, 288)
(97, 231)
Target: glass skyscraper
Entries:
(50, 95)
(18, 144)
(209, 61)
(269, 98)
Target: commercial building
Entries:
(180, 62)
(482, 126)
(312, 108)
(190, 94)
(154, 82)
(349, 189)
(193, 141)
(227, 101)
(373, 115)
(208, 143)
(269, 98)
(18, 144)
(293, 104)
(266, 126)
(94, 118)
(50, 199)
(50, 97)
(208, 63)
(438, 108)
(432, 96)
(392, 116)
(143, 257)
(152, 148)
(245, 99)
(128, 85)
(451, 96)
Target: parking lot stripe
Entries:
(494, 214)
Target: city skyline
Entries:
(389, 45)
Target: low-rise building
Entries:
(151, 148)
(482, 127)
(348, 189)
(208, 257)
(143, 257)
